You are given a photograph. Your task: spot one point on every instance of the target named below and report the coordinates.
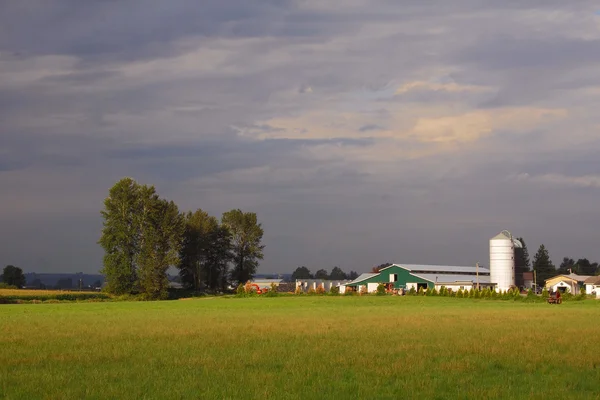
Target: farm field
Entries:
(300, 347)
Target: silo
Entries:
(502, 260)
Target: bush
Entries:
(240, 291)
(381, 289)
(320, 290)
(460, 293)
(312, 291)
(298, 290)
(350, 292)
(272, 292)
(412, 291)
(334, 291)
(7, 286)
(364, 290)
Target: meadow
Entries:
(300, 347)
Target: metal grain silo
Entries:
(502, 260)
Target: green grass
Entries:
(300, 348)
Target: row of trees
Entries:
(545, 268)
(336, 274)
(143, 235)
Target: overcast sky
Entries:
(359, 131)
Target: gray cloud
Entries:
(379, 131)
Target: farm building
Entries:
(592, 286)
(266, 283)
(407, 276)
(563, 283)
(306, 284)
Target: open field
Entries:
(300, 347)
(36, 292)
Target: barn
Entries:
(407, 276)
(592, 286)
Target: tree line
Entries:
(143, 235)
(544, 267)
(13, 276)
(336, 274)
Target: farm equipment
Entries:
(555, 298)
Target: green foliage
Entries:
(412, 291)
(421, 291)
(160, 242)
(298, 290)
(543, 265)
(337, 274)
(334, 291)
(460, 293)
(246, 238)
(311, 291)
(272, 292)
(433, 292)
(321, 274)
(240, 291)
(13, 276)
(301, 273)
(205, 253)
(320, 290)
(381, 289)
(58, 297)
(350, 292)
(7, 286)
(471, 293)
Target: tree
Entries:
(141, 237)
(521, 262)
(321, 274)
(542, 265)
(566, 265)
(337, 274)
(120, 236)
(246, 238)
(205, 253)
(161, 231)
(353, 275)
(13, 276)
(301, 273)
(584, 267)
(378, 268)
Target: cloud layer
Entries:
(370, 132)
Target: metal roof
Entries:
(574, 277)
(594, 280)
(442, 268)
(361, 278)
(453, 278)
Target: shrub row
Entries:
(75, 296)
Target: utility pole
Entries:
(535, 280)
(477, 273)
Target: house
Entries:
(563, 283)
(592, 286)
(407, 276)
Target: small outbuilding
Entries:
(592, 286)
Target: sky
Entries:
(360, 132)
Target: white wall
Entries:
(572, 288)
(372, 287)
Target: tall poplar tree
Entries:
(161, 231)
(246, 239)
(120, 234)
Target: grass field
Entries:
(35, 292)
(300, 347)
